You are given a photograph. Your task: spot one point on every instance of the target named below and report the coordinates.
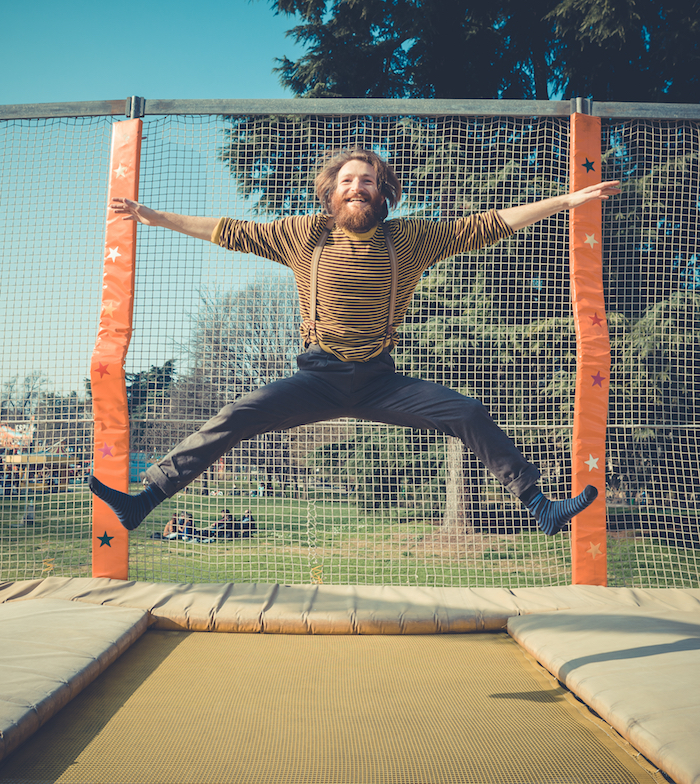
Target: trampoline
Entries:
(127, 682)
(196, 707)
(356, 679)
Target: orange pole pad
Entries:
(589, 530)
(110, 552)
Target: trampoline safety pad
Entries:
(183, 707)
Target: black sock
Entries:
(552, 516)
(130, 509)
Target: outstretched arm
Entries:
(525, 214)
(193, 226)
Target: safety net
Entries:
(347, 501)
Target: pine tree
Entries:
(610, 50)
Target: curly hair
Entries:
(387, 182)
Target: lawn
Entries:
(326, 537)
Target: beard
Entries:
(357, 219)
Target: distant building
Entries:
(19, 437)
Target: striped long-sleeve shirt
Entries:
(354, 273)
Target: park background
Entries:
(89, 53)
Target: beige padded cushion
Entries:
(630, 654)
(49, 651)
(337, 609)
(637, 667)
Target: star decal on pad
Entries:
(592, 462)
(106, 450)
(105, 540)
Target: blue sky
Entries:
(92, 50)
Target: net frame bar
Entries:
(136, 106)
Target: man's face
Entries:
(357, 203)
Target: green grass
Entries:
(650, 563)
(327, 538)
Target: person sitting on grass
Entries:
(172, 528)
(226, 528)
(245, 527)
(221, 529)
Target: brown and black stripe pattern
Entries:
(354, 276)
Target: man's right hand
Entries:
(133, 211)
(194, 226)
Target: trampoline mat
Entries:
(194, 708)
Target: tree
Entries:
(146, 394)
(652, 285)
(246, 338)
(654, 387)
(241, 340)
(20, 398)
(178, 410)
(389, 467)
(144, 388)
(650, 252)
(630, 50)
(641, 50)
(64, 424)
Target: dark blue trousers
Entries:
(326, 388)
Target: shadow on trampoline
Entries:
(553, 695)
(107, 695)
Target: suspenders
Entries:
(318, 250)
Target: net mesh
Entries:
(53, 179)
(346, 501)
(652, 283)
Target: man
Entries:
(356, 273)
